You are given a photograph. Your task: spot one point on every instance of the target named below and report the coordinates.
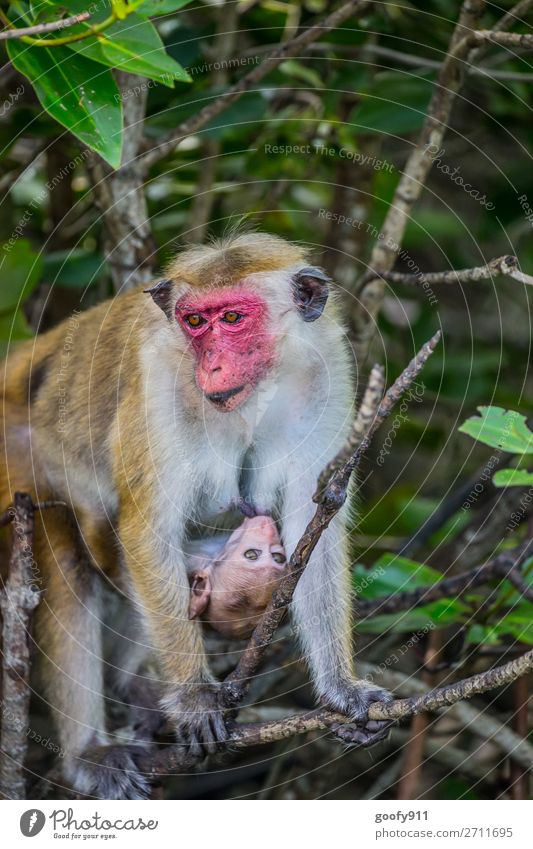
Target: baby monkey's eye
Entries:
(278, 557)
(252, 553)
(231, 317)
(194, 319)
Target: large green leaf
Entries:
(499, 428)
(13, 328)
(439, 614)
(20, 271)
(161, 7)
(76, 268)
(519, 623)
(392, 574)
(133, 45)
(77, 92)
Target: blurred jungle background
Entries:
(314, 150)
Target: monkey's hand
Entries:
(354, 699)
(197, 715)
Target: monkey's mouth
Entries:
(220, 399)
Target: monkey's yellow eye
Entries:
(278, 557)
(252, 554)
(194, 319)
(231, 317)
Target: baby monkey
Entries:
(233, 576)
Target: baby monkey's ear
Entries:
(200, 592)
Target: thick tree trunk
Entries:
(128, 242)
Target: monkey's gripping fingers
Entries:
(198, 718)
(374, 731)
(111, 772)
(354, 699)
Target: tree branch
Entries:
(417, 167)
(280, 54)
(477, 722)
(504, 265)
(18, 600)
(129, 244)
(505, 23)
(251, 734)
(504, 565)
(41, 29)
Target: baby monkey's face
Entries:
(232, 591)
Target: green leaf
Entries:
(20, 269)
(437, 614)
(133, 45)
(76, 269)
(13, 328)
(518, 623)
(483, 634)
(499, 428)
(161, 7)
(391, 574)
(512, 477)
(77, 93)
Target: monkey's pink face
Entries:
(228, 333)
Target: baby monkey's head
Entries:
(231, 591)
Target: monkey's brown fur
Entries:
(229, 260)
(104, 413)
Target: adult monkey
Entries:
(151, 415)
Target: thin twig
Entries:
(47, 505)
(472, 720)
(41, 29)
(505, 23)
(284, 51)
(8, 516)
(410, 60)
(504, 565)
(504, 265)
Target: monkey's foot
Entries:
(147, 723)
(111, 772)
(198, 718)
(354, 700)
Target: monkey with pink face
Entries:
(229, 380)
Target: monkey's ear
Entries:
(162, 296)
(310, 290)
(200, 593)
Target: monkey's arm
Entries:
(161, 591)
(322, 612)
